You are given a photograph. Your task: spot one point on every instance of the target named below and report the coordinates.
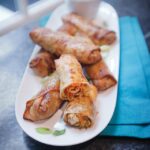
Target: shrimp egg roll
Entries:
(79, 113)
(62, 43)
(98, 35)
(100, 75)
(43, 63)
(46, 102)
(73, 83)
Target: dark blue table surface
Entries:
(15, 50)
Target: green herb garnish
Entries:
(88, 78)
(43, 130)
(59, 132)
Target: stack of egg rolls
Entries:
(99, 35)
(77, 41)
(66, 83)
(75, 88)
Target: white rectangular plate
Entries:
(106, 101)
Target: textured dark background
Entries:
(15, 50)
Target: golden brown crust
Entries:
(61, 43)
(72, 30)
(99, 36)
(105, 83)
(97, 70)
(68, 28)
(100, 75)
(26, 114)
(45, 103)
(79, 113)
(43, 63)
(73, 83)
(92, 93)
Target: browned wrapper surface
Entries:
(45, 103)
(62, 43)
(80, 113)
(68, 28)
(73, 83)
(100, 75)
(43, 63)
(98, 35)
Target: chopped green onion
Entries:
(59, 132)
(43, 130)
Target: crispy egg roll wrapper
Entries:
(92, 94)
(62, 43)
(46, 102)
(99, 36)
(72, 30)
(100, 75)
(43, 63)
(73, 83)
(80, 113)
(68, 28)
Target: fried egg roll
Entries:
(79, 113)
(100, 75)
(43, 63)
(73, 83)
(100, 36)
(46, 102)
(61, 43)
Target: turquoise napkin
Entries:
(132, 113)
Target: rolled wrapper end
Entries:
(100, 75)
(78, 120)
(46, 102)
(111, 37)
(79, 113)
(91, 56)
(94, 56)
(42, 107)
(105, 83)
(36, 34)
(26, 114)
(75, 90)
(43, 63)
(107, 38)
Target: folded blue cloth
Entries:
(132, 113)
